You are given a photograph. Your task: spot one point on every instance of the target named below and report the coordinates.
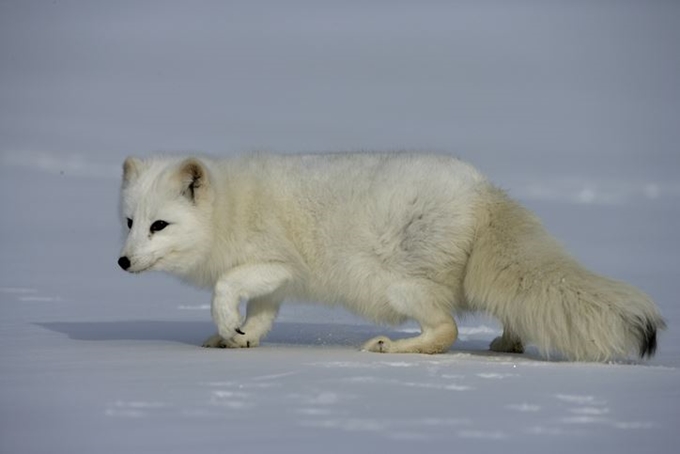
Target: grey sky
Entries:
(582, 87)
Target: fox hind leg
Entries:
(428, 304)
(433, 339)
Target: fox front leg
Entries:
(243, 283)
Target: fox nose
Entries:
(124, 262)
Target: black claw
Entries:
(238, 330)
(248, 344)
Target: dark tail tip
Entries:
(648, 338)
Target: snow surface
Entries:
(571, 106)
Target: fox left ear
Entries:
(194, 178)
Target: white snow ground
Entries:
(573, 108)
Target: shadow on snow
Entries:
(284, 333)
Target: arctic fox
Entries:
(392, 237)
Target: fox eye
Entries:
(129, 222)
(157, 226)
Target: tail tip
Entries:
(648, 342)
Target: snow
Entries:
(571, 107)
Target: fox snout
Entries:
(124, 263)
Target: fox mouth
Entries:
(148, 267)
(139, 271)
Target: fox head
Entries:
(166, 206)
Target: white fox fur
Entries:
(392, 237)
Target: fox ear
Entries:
(132, 167)
(194, 178)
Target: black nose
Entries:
(124, 262)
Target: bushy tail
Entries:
(521, 275)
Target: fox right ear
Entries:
(131, 169)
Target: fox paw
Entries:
(380, 344)
(504, 345)
(239, 341)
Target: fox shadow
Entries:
(283, 333)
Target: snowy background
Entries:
(573, 107)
